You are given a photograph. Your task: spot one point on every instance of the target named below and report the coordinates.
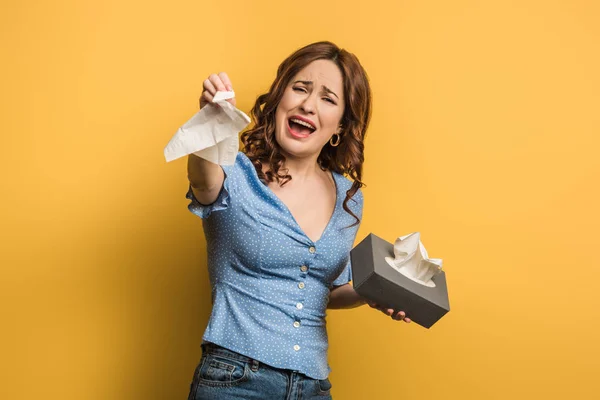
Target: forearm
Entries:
(206, 179)
(344, 297)
(202, 174)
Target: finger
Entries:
(389, 312)
(208, 85)
(206, 98)
(217, 83)
(226, 81)
(407, 320)
(399, 316)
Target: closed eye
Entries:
(329, 99)
(299, 89)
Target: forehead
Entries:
(322, 72)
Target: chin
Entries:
(291, 146)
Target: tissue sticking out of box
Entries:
(211, 134)
(412, 261)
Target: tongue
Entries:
(300, 129)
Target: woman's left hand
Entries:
(398, 316)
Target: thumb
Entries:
(232, 100)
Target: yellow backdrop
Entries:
(484, 138)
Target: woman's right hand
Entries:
(213, 84)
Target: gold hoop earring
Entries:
(337, 142)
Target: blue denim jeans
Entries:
(225, 375)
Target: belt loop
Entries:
(255, 365)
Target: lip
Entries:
(305, 120)
(287, 124)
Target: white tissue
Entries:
(211, 134)
(412, 261)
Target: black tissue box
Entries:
(374, 279)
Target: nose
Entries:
(309, 103)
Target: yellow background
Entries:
(484, 137)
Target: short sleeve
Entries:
(345, 276)
(221, 203)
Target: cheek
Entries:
(287, 102)
(279, 117)
(332, 117)
(282, 107)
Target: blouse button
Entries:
(299, 306)
(312, 250)
(296, 324)
(301, 285)
(296, 347)
(304, 268)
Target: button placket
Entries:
(299, 305)
(299, 287)
(300, 297)
(297, 333)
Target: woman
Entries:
(280, 224)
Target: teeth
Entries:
(300, 122)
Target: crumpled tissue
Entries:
(211, 134)
(412, 261)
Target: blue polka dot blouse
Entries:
(270, 282)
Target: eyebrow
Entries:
(309, 83)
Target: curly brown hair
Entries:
(347, 158)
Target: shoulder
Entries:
(345, 184)
(242, 164)
(242, 158)
(242, 172)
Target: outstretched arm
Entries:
(205, 177)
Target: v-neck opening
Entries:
(289, 212)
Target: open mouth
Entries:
(300, 127)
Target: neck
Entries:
(302, 168)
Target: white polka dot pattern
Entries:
(269, 289)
